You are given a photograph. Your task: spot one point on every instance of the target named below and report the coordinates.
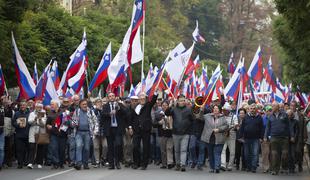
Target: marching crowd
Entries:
(137, 131)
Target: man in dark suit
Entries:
(114, 124)
(141, 123)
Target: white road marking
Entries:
(55, 174)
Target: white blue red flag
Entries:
(196, 35)
(41, 86)
(2, 82)
(55, 74)
(50, 93)
(256, 67)
(75, 64)
(134, 50)
(77, 81)
(231, 64)
(24, 79)
(102, 70)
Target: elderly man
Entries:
(86, 126)
(141, 123)
(278, 127)
(230, 137)
(252, 132)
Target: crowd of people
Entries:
(134, 132)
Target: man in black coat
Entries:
(141, 122)
(114, 124)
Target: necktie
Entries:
(113, 116)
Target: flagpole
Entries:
(143, 36)
(168, 88)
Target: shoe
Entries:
(71, 165)
(222, 168)
(157, 163)
(199, 167)
(106, 164)
(237, 168)
(134, 166)
(292, 171)
(253, 171)
(193, 166)
(86, 166)
(178, 167)
(183, 168)
(111, 167)
(61, 167)
(19, 167)
(77, 167)
(39, 166)
(300, 169)
(29, 166)
(170, 166)
(273, 173)
(95, 165)
(143, 168)
(163, 167)
(118, 166)
(217, 171)
(54, 167)
(229, 169)
(211, 171)
(243, 169)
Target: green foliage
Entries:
(292, 32)
(43, 30)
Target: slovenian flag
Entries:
(102, 71)
(24, 79)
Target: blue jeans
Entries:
(251, 150)
(155, 148)
(71, 148)
(57, 149)
(192, 154)
(214, 152)
(82, 142)
(202, 150)
(1, 148)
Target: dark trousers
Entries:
(279, 153)
(239, 154)
(114, 141)
(8, 150)
(36, 153)
(291, 156)
(145, 138)
(21, 150)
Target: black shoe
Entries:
(211, 171)
(134, 166)
(143, 168)
(19, 167)
(253, 171)
(223, 168)
(77, 167)
(111, 167)
(163, 167)
(118, 166)
(178, 167)
(193, 166)
(238, 168)
(170, 166)
(183, 169)
(217, 171)
(61, 167)
(300, 169)
(199, 167)
(157, 163)
(71, 165)
(54, 167)
(85, 166)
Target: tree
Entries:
(291, 29)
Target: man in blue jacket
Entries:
(252, 131)
(280, 132)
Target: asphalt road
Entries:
(152, 173)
